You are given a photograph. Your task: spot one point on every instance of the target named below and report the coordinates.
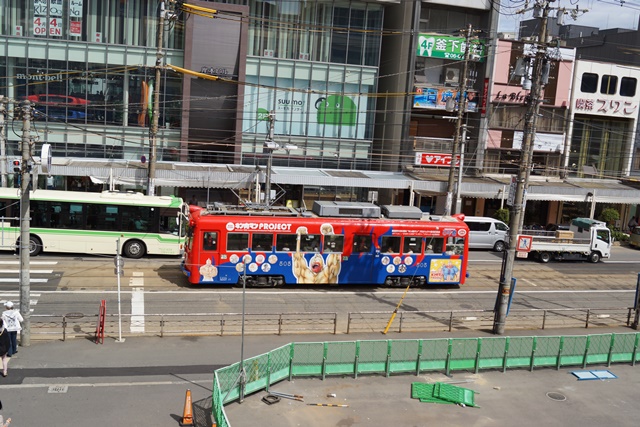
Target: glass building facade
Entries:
(87, 66)
(315, 64)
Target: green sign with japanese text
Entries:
(448, 47)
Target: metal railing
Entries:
(79, 325)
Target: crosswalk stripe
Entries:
(30, 270)
(17, 280)
(30, 263)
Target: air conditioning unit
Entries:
(303, 56)
(451, 75)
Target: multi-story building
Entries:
(337, 74)
(356, 89)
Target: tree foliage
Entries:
(502, 215)
(609, 216)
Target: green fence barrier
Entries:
(319, 359)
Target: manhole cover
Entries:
(556, 396)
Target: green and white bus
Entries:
(91, 223)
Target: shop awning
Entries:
(205, 175)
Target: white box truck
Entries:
(586, 239)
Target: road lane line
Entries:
(17, 280)
(528, 281)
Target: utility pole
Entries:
(462, 105)
(153, 130)
(516, 216)
(271, 146)
(3, 145)
(463, 140)
(25, 180)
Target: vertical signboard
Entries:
(75, 18)
(512, 191)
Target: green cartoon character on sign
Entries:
(336, 110)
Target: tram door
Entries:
(360, 264)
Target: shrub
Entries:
(619, 236)
(502, 215)
(609, 215)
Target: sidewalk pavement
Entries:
(143, 381)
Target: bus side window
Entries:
(210, 241)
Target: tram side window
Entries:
(390, 244)
(262, 242)
(412, 245)
(310, 242)
(333, 243)
(435, 245)
(210, 241)
(286, 242)
(237, 241)
(455, 246)
(361, 243)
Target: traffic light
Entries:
(16, 166)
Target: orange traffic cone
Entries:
(187, 413)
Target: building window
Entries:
(609, 84)
(589, 83)
(599, 147)
(628, 86)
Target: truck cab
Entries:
(597, 233)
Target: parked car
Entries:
(60, 107)
(486, 233)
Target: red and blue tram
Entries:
(267, 249)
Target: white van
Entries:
(486, 233)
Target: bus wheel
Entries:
(594, 257)
(134, 249)
(545, 257)
(35, 246)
